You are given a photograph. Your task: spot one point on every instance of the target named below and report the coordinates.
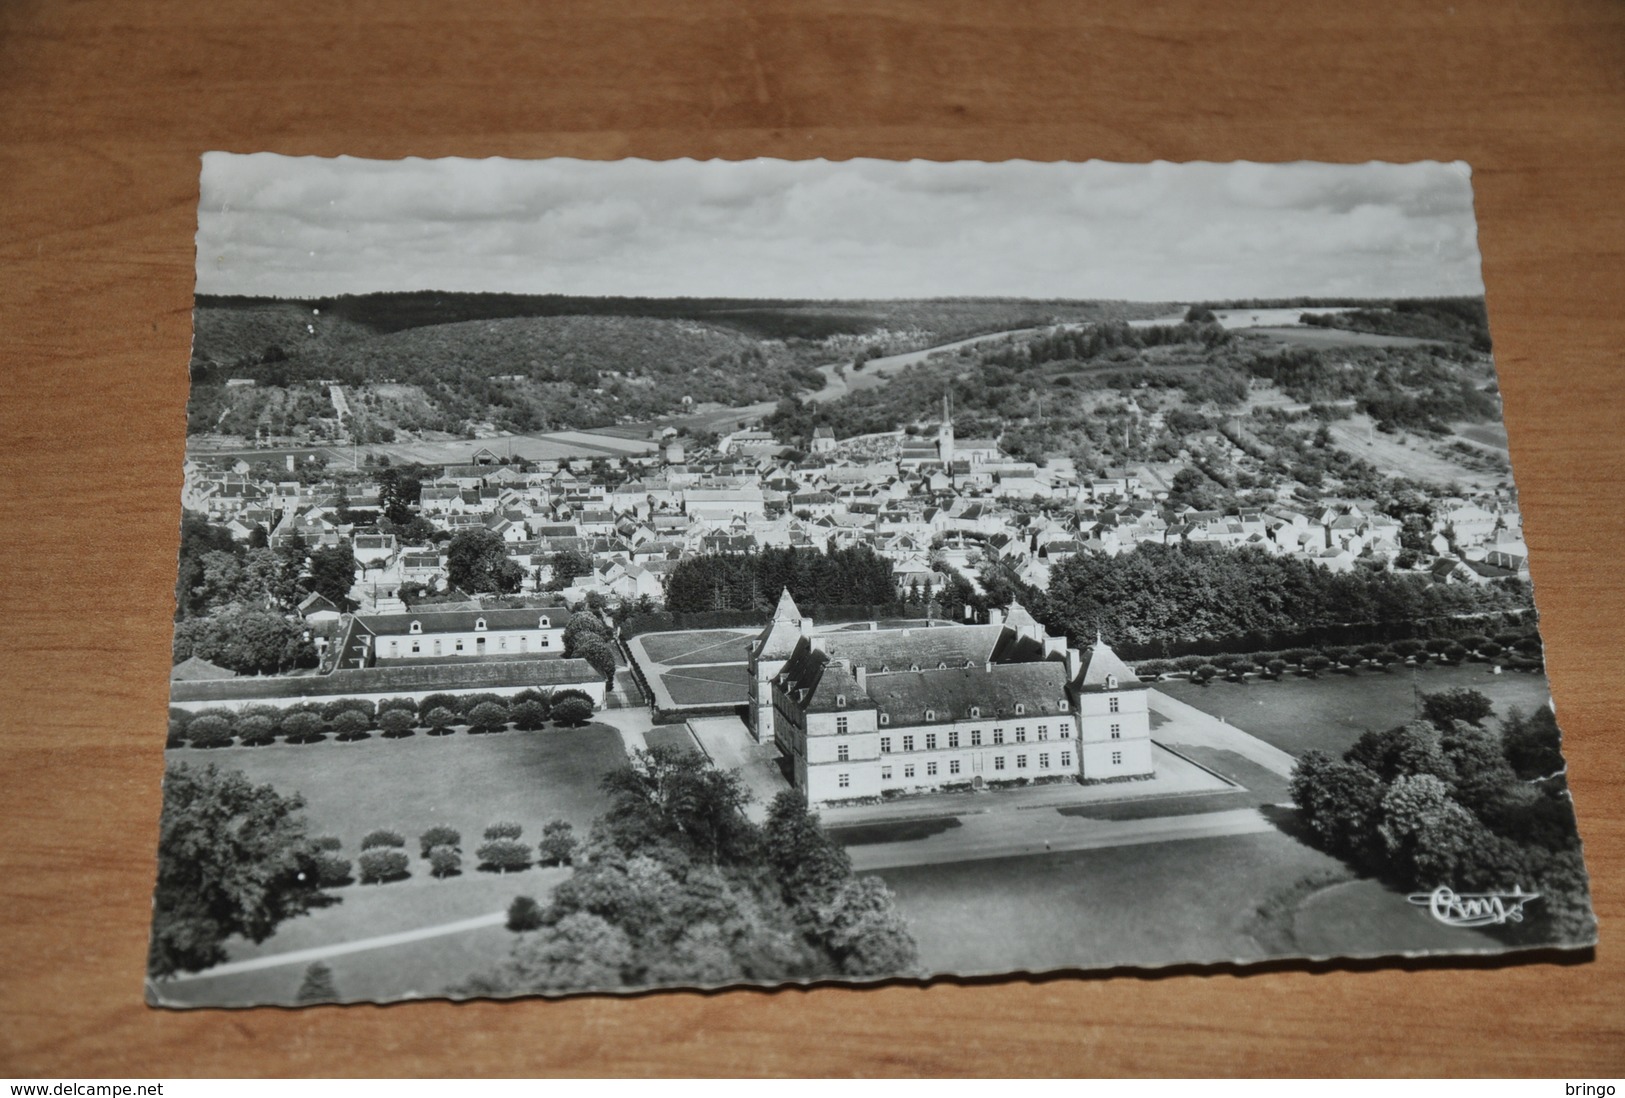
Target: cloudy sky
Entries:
(307, 227)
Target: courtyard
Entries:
(696, 668)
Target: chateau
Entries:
(865, 711)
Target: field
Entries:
(1193, 901)
(1407, 454)
(1331, 712)
(465, 781)
(1334, 337)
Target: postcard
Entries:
(605, 576)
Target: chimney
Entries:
(806, 627)
(1074, 663)
(995, 616)
(861, 673)
(817, 644)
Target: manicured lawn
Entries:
(422, 968)
(697, 646)
(467, 782)
(708, 685)
(1331, 712)
(1194, 901)
(671, 735)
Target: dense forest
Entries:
(1158, 600)
(1454, 319)
(753, 581)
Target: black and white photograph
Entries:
(602, 576)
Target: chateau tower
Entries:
(768, 653)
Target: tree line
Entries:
(752, 581)
(1162, 600)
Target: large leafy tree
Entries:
(233, 858)
(477, 560)
(332, 573)
(250, 642)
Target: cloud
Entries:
(864, 228)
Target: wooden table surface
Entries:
(104, 110)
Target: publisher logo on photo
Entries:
(1454, 908)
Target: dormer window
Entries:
(1111, 682)
(840, 701)
(913, 667)
(975, 711)
(544, 622)
(1065, 705)
(479, 625)
(942, 665)
(930, 714)
(885, 718)
(1020, 709)
(417, 627)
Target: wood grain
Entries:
(107, 107)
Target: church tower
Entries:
(945, 436)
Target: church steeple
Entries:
(945, 433)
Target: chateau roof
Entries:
(905, 697)
(1104, 662)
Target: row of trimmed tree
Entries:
(384, 858)
(349, 719)
(1520, 651)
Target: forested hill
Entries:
(233, 330)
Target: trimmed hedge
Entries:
(444, 862)
(448, 837)
(379, 866)
(332, 870)
(209, 731)
(397, 723)
(504, 830)
(504, 855)
(383, 837)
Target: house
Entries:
(453, 634)
(317, 609)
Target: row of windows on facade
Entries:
(1113, 704)
(975, 737)
(975, 710)
(844, 781)
(479, 625)
(502, 645)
